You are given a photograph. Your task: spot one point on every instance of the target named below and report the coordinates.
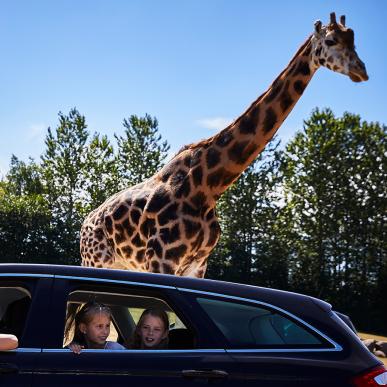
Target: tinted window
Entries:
(251, 326)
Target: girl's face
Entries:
(97, 330)
(152, 331)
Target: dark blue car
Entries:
(221, 333)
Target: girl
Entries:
(92, 328)
(151, 331)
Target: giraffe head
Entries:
(333, 47)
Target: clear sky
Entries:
(194, 64)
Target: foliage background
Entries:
(308, 217)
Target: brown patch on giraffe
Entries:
(120, 212)
(137, 241)
(127, 227)
(98, 233)
(212, 158)
(156, 246)
(197, 176)
(214, 233)
(302, 69)
(167, 269)
(197, 243)
(109, 224)
(269, 121)
(183, 187)
(168, 214)
(196, 157)
(127, 250)
(224, 138)
(299, 87)
(170, 234)
(140, 203)
(159, 200)
(248, 123)
(175, 253)
(155, 266)
(236, 151)
(191, 228)
(274, 90)
(119, 238)
(135, 215)
(147, 227)
(199, 199)
(140, 255)
(286, 100)
(189, 210)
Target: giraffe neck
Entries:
(227, 154)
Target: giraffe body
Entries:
(168, 223)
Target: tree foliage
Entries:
(309, 218)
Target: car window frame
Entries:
(65, 285)
(193, 294)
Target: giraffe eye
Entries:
(330, 42)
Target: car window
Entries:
(252, 326)
(14, 306)
(126, 311)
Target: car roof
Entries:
(280, 298)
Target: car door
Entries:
(199, 364)
(23, 301)
(270, 347)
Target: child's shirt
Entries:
(113, 345)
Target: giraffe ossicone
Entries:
(168, 224)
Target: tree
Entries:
(24, 215)
(140, 151)
(63, 166)
(249, 250)
(334, 179)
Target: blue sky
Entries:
(194, 64)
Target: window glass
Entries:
(14, 306)
(126, 310)
(251, 326)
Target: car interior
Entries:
(126, 311)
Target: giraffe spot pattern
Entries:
(299, 87)
(224, 138)
(248, 124)
(120, 212)
(159, 200)
(236, 151)
(176, 252)
(197, 175)
(302, 68)
(212, 158)
(191, 228)
(135, 216)
(168, 214)
(170, 234)
(269, 121)
(274, 91)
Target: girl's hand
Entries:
(76, 348)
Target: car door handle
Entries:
(204, 374)
(8, 368)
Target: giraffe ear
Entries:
(317, 26)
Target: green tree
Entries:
(63, 166)
(141, 153)
(249, 250)
(24, 215)
(334, 179)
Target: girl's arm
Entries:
(8, 342)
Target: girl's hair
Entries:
(135, 341)
(85, 315)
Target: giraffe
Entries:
(168, 224)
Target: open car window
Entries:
(126, 311)
(252, 326)
(14, 306)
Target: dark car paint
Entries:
(50, 285)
